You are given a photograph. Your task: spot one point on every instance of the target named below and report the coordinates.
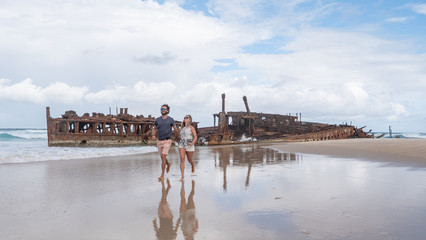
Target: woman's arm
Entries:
(194, 133)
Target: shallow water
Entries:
(30, 145)
(238, 192)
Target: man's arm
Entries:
(154, 132)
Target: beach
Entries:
(403, 151)
(343, 189)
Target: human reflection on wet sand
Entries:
(187, 213)
(166, 230)
(187, 219)
(249, 155)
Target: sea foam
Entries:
(30, 145)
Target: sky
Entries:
(361, 62)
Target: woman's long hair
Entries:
(182, 125)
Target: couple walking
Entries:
(187, 137)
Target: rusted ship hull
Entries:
(124, 129)
(98, 130)
(232, 126)
(231, 137)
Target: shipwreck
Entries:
(123, 129)
(233, 126)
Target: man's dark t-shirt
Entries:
(164, 127)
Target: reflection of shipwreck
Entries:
(263, 126)
(249, 156)
(124, 129)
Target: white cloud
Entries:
(140, 92)
(398, 110)
(26, 91)
(419, 8)
(92, 39)
(397, 19)
(325, 59)
(143, 53)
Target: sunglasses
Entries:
(187, 117)
(163, 109)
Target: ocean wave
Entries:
(14, 134)
(36, 151)
(413, 135)
(401, 134)
(20, 145)
(6, 137)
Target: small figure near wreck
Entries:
(164, 125)
(188, 137)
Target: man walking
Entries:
(164, 126)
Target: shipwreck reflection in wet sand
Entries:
(252, 192)
(249, 155)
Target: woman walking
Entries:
(188, 137)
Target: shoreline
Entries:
(402, 151)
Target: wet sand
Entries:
(250, 191)
(403, 151)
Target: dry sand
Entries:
(401, 151)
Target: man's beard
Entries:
(164, 113)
